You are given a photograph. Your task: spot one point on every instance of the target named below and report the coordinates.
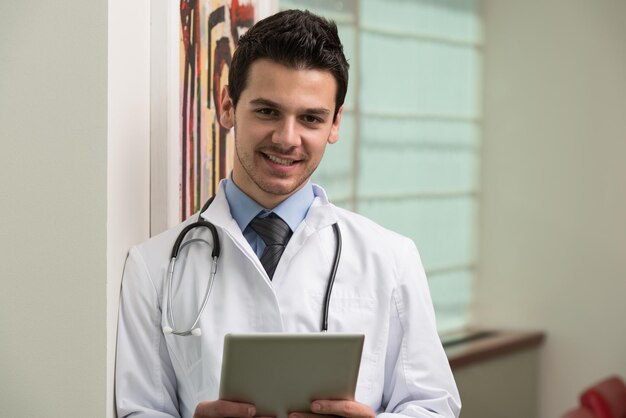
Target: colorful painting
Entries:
(209, 30)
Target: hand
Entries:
(219, 409)
(348, 409)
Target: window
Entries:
(408, 155)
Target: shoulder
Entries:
(150, 258)
(365, 228)
(387, 260)
(161, 244)
(376, 243)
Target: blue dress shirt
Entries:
(293, 211)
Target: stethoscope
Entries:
(170, 326)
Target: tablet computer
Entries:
(282, 373)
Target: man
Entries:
(287, 85)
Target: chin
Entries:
(280, 188)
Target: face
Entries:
(283, 121)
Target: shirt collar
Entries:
(293, 210)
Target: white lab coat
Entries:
(380, 290)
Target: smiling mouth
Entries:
(279, 161)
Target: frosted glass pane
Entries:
(442, 229)
(408, 156)
(402, 170)
(451, 294)
(335, 172)
(454, 19)
(430, 79)
(404, 131)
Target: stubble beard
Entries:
(246, 161)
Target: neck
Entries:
(265, 199)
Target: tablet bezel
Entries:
(284, 372)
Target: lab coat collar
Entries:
(218, 212)
(292, 210)
(321, 214)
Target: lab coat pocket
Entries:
(357, 314)
(348, 313)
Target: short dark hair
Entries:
(294, 38)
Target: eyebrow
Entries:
(321, 111)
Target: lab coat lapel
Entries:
(218, 213)
(321, 215)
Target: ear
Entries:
(227, 115)
(334, 129)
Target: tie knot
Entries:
(272, 229)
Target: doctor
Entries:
(287, 85)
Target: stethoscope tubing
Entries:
(179, 245)
(333, 274)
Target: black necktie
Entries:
(275, 233)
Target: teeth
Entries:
(279, 160)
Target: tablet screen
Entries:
(282, 373)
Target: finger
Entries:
(350, 409)
(220, 409)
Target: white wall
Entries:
(553, 223)
(74, 129)
(53, 228)
(128, 174)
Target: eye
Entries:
(312, 120)
(266, 112)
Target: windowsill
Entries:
(475, 346)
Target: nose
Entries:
(286, 133)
